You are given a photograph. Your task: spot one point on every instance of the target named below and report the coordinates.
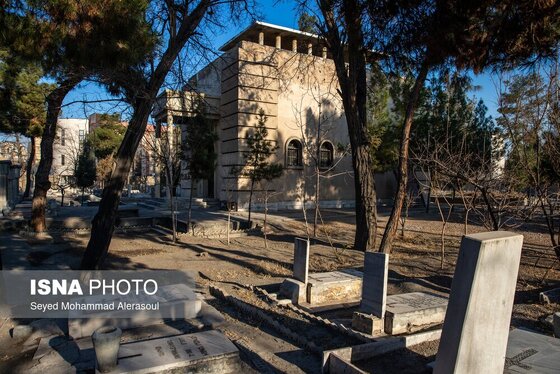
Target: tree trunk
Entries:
(251, 199)
(393, 222)
(103, 224)
(29, 168)
(193, 181)
(493, 218)
(42, 183)
(265, 217)
(170, 196)
(317, 181)
(351, 73)
(83, 190)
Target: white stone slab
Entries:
(342, 286)
(209, 350)
(374, 286)
(476, 327)
(414, 301)
(413, 311)
(529, 352)
(301, 259)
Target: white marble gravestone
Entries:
(374, 286)
(301, 259)
(208, 351)
(476, 327)
(413, 311)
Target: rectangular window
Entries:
(82, 136)
(62, 138)
(62, 160)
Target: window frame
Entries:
(331, 155)
(298, 156)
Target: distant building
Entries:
(70, 136)
(290, 75)
(14, 152)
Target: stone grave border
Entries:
(338, 327)
(344, 357)
(260, 315)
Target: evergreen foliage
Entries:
(85, 172)
(106, 138)
(257, 164)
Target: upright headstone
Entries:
(476, 327)
(374, 286)
(301, 259)
(4, 170)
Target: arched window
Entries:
(294, 154)
(326, 156)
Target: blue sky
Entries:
(282, 13)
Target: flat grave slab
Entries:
(207, 352)
(411, 311)
(178, 300)
(342, 286)
(530, 352)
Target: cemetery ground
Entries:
(275, 337)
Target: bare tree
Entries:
(177, 22)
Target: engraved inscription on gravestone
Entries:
(414, 301)
(517, 359)
(174, 352)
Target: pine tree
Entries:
(260, 149)
(199, 150)
(72, 40)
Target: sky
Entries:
(281, 13)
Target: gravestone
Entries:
(208, 352)
(374, 286)
(4, 170)
(301, 259)
(413, 311)
(369, 319)
(475, 331)
(530, 352)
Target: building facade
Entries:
(289, 75)
(70, 136)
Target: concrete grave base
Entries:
(367, 323)
(294, 290)
(529, 352)
(203, 352)
(353, 354)
(341, 286)
(412, 311)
